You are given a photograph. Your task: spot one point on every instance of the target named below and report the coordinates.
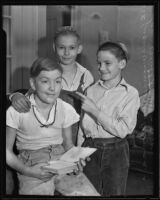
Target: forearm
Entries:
(112, 125)
(15, 163)
(119, 125)
(67, 145)
(122, 120)
(67, 138)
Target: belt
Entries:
(44, 149)
(110, 142)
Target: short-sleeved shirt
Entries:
(87, 81)
(34, 132)
(118, 111)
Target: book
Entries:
(67, 162)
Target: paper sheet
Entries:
(75, 153)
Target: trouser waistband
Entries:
(44, 149)
(110, 142)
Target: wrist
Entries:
(69, 147)
(25, 170)
(98, 116)
(96, 112)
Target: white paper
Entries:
(59, 164)
(75, 153)
(60, 167)
(66, 163)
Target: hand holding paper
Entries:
(68, 161)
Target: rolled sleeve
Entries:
(12, 118)
(123, 120)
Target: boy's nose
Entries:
(102, 66)
(66, 52)
(52, 86)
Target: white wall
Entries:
(132, 25)
(28, 26)
(33, 27)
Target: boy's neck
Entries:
(41, 105)
(69, 68)
(112, 83)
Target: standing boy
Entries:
(110, 114)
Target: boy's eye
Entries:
(58, 81)
(72, 47)
(44, 81)
(61, 47)
(107, 63)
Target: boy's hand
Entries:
(39, 172)
(20, 103)
(81, 164)
(88, 105)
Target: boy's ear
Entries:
(80, 48)
(31, 81)
(122, 64)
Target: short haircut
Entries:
(118, 49)
(66, 30)
(44, 64)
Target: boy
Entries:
(43, 133)
(110, 114)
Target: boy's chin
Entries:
(51, 102)
(103, 78)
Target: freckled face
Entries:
(47, 86)
(67, 48)
(108, 65)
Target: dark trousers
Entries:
(108, 168)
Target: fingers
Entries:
(81, 164)
(82, 96)
(22, 105)
(88, 159)
(47, 176)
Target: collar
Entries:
(32, 100)
(39, 117)
(121, 83)
(80, 68)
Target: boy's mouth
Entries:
(51, 94)
(66, 58)
(104, 73)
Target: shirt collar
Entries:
(32, 100)
(52, 115)
(121, 83)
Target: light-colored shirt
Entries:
(31, 131)
(118, 111)
(88, 79)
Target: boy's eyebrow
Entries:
(59, 77)
(62, 45)
(48, 77)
